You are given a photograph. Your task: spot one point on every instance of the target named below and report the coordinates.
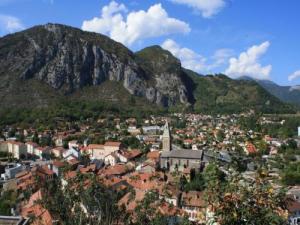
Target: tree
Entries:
(131, 142)
(146, 212)
(240, 202)
(292, 144)
(7, 201)
(197, 183)
(220, 135)
(291, 174)
(83, 201)
(35, 138)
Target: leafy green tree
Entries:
(197, 183)
(291, 174)
(8, 200)
(131, 142)
(292, 144)
(239, 202)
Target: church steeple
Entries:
(166, 138)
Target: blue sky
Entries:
(258, 38)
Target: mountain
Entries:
(289, 94)
(220, 93)
(68, 59)
(50, 63)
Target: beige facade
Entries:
(101, 151)
(17, 149)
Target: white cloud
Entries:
(195, 61)
(294, 88)
(248, 63)
(207, 8)
(189, 59)
(221, 57)
(10, 24)
(294, 76)
(154, 22)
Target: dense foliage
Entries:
(220, 94)
(238, 202)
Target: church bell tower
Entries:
(166, 138)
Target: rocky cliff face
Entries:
(68, 59)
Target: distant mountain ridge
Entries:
(290, 94)
(47, 63)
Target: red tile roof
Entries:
(153, 155)
(130, 154)
(251, 148)
(193, 198)
(113, 143)
(118, 169)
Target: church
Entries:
(178, 159)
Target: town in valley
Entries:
(167, 166)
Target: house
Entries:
(294, 192)
(133, 130)
(101, 151)
(116, 170)
(143, 181)
(44, 173)
(11, 170)
(67, 177)
(73, 144)
(250, 148)
(126, 156)
(188, 143)
(195, 147)
(112, 146)
(92, 168)
(33, 209)
(41, 151)
(31, 146)
(3, 146)
(57, 167)
(111, 159)
(96, 151)
(153, 156)
(59, 141)
(193, 204)
(294, 212)
(13, 220)
(146, 168)
(25, 180)
(72, 153)
(151, 129)
(273, 151)
(170, 194)
(173, 213)
(58, 152)
(17, 149)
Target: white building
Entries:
(111, 159)
(11, 170)
(298, 131)
(101, 151)
(73, 144)
(17, 149)
(31, 146)
(193, 204)
(72, 153)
